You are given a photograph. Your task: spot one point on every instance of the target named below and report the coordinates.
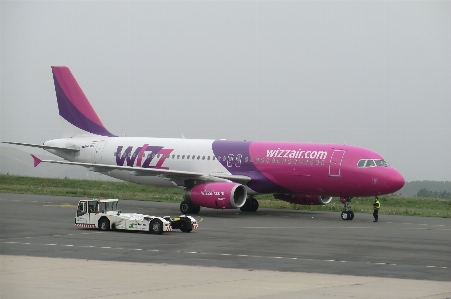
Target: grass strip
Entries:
(391, 205)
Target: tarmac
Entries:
(37, 277)
(267, 254)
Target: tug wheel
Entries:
(104, 224)
(156, 226)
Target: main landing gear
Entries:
(189, 208)
(347, 214)
(251, 205)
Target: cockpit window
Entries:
(371, 163)
(381, 163)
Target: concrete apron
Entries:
(35, 277)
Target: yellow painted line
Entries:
(63, 205)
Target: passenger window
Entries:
(246, 159)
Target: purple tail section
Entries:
(73, 104)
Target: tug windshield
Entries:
(371, 163)
(108, 206)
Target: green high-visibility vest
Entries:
(377, 203)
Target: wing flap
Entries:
(166, 173)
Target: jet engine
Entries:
(301, 199)
(220, 195)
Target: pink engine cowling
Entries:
(221, 195)
(301, 199)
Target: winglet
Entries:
(36, 160)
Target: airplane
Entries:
(217, 174)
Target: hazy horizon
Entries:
(375, 74)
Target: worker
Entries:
(376, 207)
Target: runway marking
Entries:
(219, 254)
(62, 205)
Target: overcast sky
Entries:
(376, 74)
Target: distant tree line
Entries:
(433, 194)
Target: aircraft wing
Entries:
(67, 149)
(177, 176)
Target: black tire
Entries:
(254, 205)
(244, 208)
(247, 205)
(195, 209)
(156, 227)
(351, 215)
(186, 226)
(185, 208)
(104, 224)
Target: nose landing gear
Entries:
(347, 214)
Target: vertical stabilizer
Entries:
(73, 105)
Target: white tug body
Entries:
(104, 214)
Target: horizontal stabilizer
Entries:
(67, 149)
(36, 160)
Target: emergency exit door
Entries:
(335, 163)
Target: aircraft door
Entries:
(335, 163)
(98, 152)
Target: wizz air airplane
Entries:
(218, 174)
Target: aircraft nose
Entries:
(395, 181)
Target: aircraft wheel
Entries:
(344, 215)
(185, 208)
(104, 224)
(195, 209)
(254, 205)
(351, 215)
(245, 207)
(156, 227)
